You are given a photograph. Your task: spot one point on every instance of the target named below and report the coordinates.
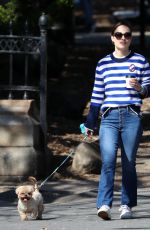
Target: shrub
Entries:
(7, 12)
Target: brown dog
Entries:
(30, 200)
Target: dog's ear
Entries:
(17, 190)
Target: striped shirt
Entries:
(110, 81)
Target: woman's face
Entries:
(122, 38)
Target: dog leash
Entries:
(82, 127)
(69, 155)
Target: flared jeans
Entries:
(120, 127)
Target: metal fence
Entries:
(25, 47)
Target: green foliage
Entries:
(7, 12)
(29, 8)
(20, 11)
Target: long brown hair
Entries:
(121, 23)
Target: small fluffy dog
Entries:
(30, 200)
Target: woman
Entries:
(122, 79)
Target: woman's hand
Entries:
(135, 84)
(88, 132)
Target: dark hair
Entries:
(121, 23)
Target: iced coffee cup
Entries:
(128, 78)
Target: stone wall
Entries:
(21, 147)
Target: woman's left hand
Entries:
(135, 84)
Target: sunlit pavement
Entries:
(70, 204)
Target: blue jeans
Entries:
(120, 127)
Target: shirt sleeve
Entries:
(146, 79)
(92, 117)
(96, 99)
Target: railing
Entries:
(26, 46)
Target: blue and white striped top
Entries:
(110, 81)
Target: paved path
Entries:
(70, 205)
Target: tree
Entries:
(20, 11)
(7, 11)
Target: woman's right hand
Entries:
(86, 131)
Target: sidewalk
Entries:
(70, 204)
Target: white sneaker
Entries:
(126, 212)
(104, 212)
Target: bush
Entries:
(7, 12)
(20, 11)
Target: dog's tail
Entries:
(34, 182)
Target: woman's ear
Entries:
(112, 39)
